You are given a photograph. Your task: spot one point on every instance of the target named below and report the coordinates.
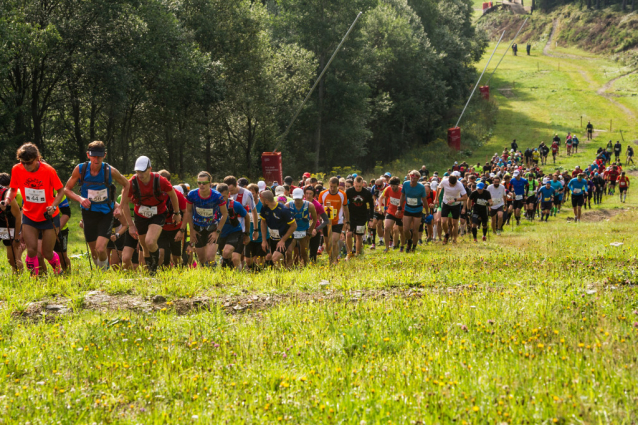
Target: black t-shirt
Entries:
(590, 127)
(424, 173)
(360, 204)
(617, 147)
(480, 201)
(487, 168)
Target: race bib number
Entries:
(577, 191)
(497, 200)
(205, 212)
(299, 234)
(448, 200)
(34, 195)
(147, 212)
(519, 197)
(394, 201)
(98, 195)
(482, 202)
(7, 234)
(274, 233)
(360, 229)
(413, 202)
(547, 199)
(331, 213)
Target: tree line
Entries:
(210, 84)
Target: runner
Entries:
(599, 183)
(321, 223)
(305, 216)
(612, 176)
(279, 222)
(206, 215)
(546, 194)
(568, 144)
(623, 186)
(478, 203)
(531, 201)
(62, 241)
(256, 257)
(116, 243)
(558, 194)
(590, 130)
(617, 150)
(245, 198)
(149, 193)
(377, 225)
(453, 199)
(575, 143)
(630, 155)
(578, 188)
(555, 149)
(232, 236)
(10, 220)
(171, 239)
(36, 181)
(497, 192)
(415, 199)
(97, 196)
(131, 246)
(520, 187)
(390, 199)
(361, 209)
(335, 202)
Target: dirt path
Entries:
(602, 91)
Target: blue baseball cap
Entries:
(480, 185)
(388, 174)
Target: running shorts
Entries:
(98, 224)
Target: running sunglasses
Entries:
(27, 163)
(203, 183)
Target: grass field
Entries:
(537, 326)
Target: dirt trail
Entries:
(602, 91)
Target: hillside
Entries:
(606, 31)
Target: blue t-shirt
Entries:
(577, 187)
(557, 186)
(413, 196)
(302, 216)
(232, 225)
(546, 194)
(518, 186)
(205, 210)
(278, 220)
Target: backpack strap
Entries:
(135, 186)
(157, 193)
(83, 171)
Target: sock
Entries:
(484, 231)
(374, 236)
(33, 265)
(102, 264)
(474, 232)
(55, 263)
(147, 260)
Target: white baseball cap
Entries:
(516, 173)
(456, 173)
(142, 163)
(297, 194)
(179, 188)
(261, 185)
(434, 185)
(279, 190)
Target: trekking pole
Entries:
(479, 80)
(56, 231)
(325, 68)
(88, 251)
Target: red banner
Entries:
(485, 92)
(454, 138)
(271, 167)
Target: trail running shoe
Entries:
(401, 249)
(484, 239)
(373, 246)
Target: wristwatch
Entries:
(218, 231)
(181, 230)
(117, 235)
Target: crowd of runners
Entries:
(154, 223)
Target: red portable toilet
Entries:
(490, 4)
(486, 5)
(485, 92)
(271, 167)
(454, 138)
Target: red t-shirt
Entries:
(151, 204)
(170, 225)
(613, 175)
(392, 201)
(36, 188)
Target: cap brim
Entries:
(97, 153)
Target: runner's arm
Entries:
(175, 202)
(118, 177)
(56, 202)
(188, 217)
(424, 200)
(291, 229)
(324, 221)
(224, 210)
(313, 217)
(346, 214)
(70, 184)
(15, 211)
